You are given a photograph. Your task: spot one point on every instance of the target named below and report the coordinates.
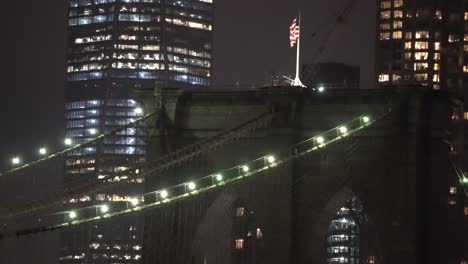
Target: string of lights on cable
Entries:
(43, 152)
(180, 191)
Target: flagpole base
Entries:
(297, 82)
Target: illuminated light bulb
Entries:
(104, 208)
(343, 130)
(192, 186)
(365, 119)
(271, 159)
(465, 180)
(219, 177)
(72, 215)
(43, 151)
(138, 111)
(16, 161)
(137, 171)
(68, 141)
(135, 201)
(320, 140)
(92, 131)
(321, 89)
(245, 168)
(164, 194)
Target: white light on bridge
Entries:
(320, 140)
(219, 177)
(465, 180)
(191, 186)
(271, 159)
(164, 194)
(72, 215)
(135, 201)
(321, 89)
(104, 208)
(15, 161)
(343, 130)
(68, 141)
(245, 168)
(138, 111)
(365, 119)
(42, 151)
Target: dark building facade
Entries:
(114, 48)
(331, 75)
(426, 42)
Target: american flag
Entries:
(294, 32)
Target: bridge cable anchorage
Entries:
(147, 169)
(62, 153)
(212, 181)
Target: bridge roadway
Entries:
(398, 168)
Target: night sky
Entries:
(251, 41)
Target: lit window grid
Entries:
(94, 70)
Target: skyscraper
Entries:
(344, 235)
(426, 42)
(114, 48)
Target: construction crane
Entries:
(340, 19)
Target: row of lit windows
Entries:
(115, 246)
(207, 7)
(74, 162)
(78, 3)
(188, 23)
(388, 4)
(88, 12)
(97, 103)
(388, 14)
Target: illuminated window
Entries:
(408, 35)
(397, 35)
(259, 233)
(396, 77)
(466, 15)
(420, 77)
(436, 66)
(240, 211)
(436, 45)
(398, 3)
(436, 56)
(421, 66)
(371, 259)
(239, 243)
(465, 37)
(465, 68)
(453, 38)
(420, 45)
(385, 26)
(466, 214)
(386, 5)
(397, 24)
(407, 45)
(385, 36)
(453, 190)
(384, 78)
(438, 14)
(385, 14)
(435, 78)
(408, 56)
(422, 34)
(398, 14)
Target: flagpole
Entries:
(297, 80)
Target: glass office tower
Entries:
(114, 48)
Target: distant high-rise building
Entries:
(344, 235)
(331, 75)
(114, 48)
(426, 42)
